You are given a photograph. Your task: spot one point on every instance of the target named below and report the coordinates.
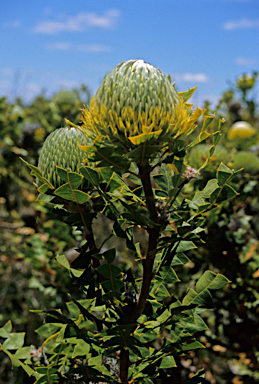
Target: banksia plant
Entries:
(241, 130)
(137, 122)
(66, 97)
(61, 148)
(201, 153)
(246, 82)
(246, 160)
(137, 103)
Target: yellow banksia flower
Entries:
(61, 148)
(246, 82)
(241, 130)
(137, 102)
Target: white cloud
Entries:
(12, 24)
(7, 71)
(4, 84)
(59, 46)
(78, 23)
(32, 89)
(63, 46)
(93, 48)
(192, 77)
(245, 61)
(243, 23)
(63, 83)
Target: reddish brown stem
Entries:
(124, 366)
(154, 232)
(144, 171)
(147, 271)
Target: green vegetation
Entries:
(72, 257)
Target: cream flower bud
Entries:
(241, 130)
(61, 148)
(137, 102)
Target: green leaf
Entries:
(47, 330)
(202, 299)
(158, 288)
(62, 173)
(35, 171)
(113, 179)
(185, 246)
(197, 326)
(6, 329)
(211, 280)
(74, 179)
(206, 122)
(62, 260)
(48, 379)
(14, 341)
(186, 95)
(210, 187)
(43, 188)
(103, 153)
(82, 348)
(109, 255)
(90, 175)
(45, 198)
(88, 316)
(117, 227)
(109, 270)
(113, 284)
(204, 207)
(17, 363)
(224, 174)
(191, 346)
(167, 362)
(228, 192)
(23, 353)
(180, 259)
(168, 274)
(163, 182)
(73, 309)
(144, 151)
(72, 195)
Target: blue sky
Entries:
(61, 44)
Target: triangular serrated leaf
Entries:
(211, 280)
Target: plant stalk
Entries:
(154, 233)
(124, 366)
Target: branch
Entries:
(144, 171)
(154, 233)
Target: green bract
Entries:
(61, 148)
(137, 102)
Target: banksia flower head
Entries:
(61, 148)
(241, 130)
(137, 103)
(201, 153)
(246, 82)
(248, 161)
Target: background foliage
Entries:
(31, 237)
